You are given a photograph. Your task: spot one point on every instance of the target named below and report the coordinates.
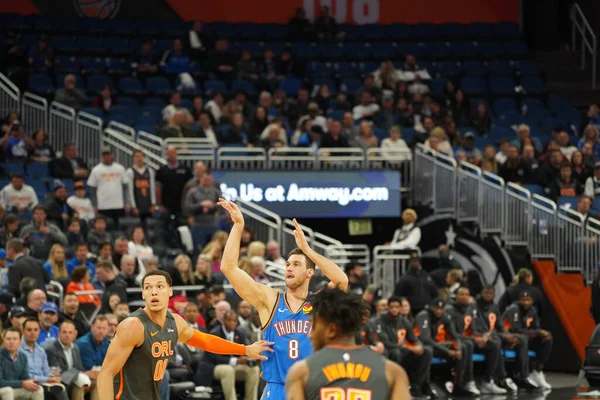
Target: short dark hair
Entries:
(394, 299)
(67, 321)
(12, 329)
(229, 313)
(30, 319)
(100, 218)
(105, 264)
(158, 272)
(81, 244)
(100, 318)
(79, 273)
(38, 207)
(309, 263)
(103, 244)
(74, 220)
(70, 294)
(10, 219)
(344, 309)
(15, 244)
(463, 287)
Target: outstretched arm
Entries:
(296, 381)
(331, 270)
(130, 333)
(260, 296)
(397, 381)
(217, 345)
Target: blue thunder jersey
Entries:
(289, 332)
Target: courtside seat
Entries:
(511, 354)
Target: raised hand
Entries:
(233, 210)
(301, 241)
(255, 349)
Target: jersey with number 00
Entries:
(141, 376)
(289, 333)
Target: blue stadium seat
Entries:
(532, 103)
(373, 32)
(529, 67)
(40, 83)
(380, 134)
(473, 67)
(500, 67)
(473, 85)
(347, 70)
(503, 105)
(325, 81)
(291, 86)
(155, 102)
(571, 200)
(67, 64)
(397, 31)
(329, 50)
(159, 85)
(463, 49)
(490, 49)
(40, 188)
(516, 49)
(437, 85)
(304, 49)
(448, 68)
(453, 31)
(13, 168)
(532, 85)
(97, 82)
(502, 85)
(535, 189)
(131, 86)
(425, 31)
(151, 129)
(93, 65)
(117, 65)
(357, 51)
(64, 44)
(245, 86)
(317, 68)
(555, 104)
(90, 44)
(93, 111)
(506, 30)
(480, 30)
(350, 85)
(385, 50)
(408, 133)
(511, 354)
(145, 119)
(436, 50)
(128, 102)
(336, 115)
(214, 86)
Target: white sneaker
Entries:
(471, 387)
(543, 382)
(491, 388)
(449, 387)
(510, 384)
(538, 378)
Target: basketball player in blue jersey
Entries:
(284, 316)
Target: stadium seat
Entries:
(473, 85)
(474, 68)
(90, 44)
(158, 85)
(244, 86)
(502, 85)
(40, 188)
(93, 111)
(41, 83)
(64, 44)
(131, 86)
(117, 66)
(97, 82)
(504, 105)
(532, 85)
(67, 64)
(500, 67)
(291, 86)
(116, 45)
(528, 67)
(516, 49)
(13, 168)
(211, 87)
(535, 189)
(569, 201)
(92, 65)
(490, 49)
(128, 102)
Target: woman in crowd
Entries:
(56, 264)
(80, 281)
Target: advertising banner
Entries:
(317, 194)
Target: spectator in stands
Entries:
(197, 107)
(105, 253)
(37, 361)
(80, 281)
(247, 68)
(356, 278)
(35, 298)
(366, 139)
(244, 309)
(590, 135)
(206, 129)
(312, 138)
(109, 282)
(222, 61)
(216, 108)
(81, 253)
(48, 331)
(69, 166)
(514, 170)
(69, 94)
(65, 355)
(183, 273)
(70, 312)
(15, 373)
(227, 368)
(468, 146)
(74, 235)
(404, 114)
(341, 102)
(237, 133)
(257, 125)
(108, 186)
(200, 203)
(144, 63)
(177, 127)
(252, 327)
(16, 316)
(258, 270)
(105, 100)
(121, 248)
(386, 76)
(349, 130)
(334, 138)
(523, 281)
(273, 253)
(386, 116)
(138, 247)
(403, 347)
(581, 171)
(81, 204)
(93, 345)
(454, 279)
(565, 185)
(489, 155)
(524, 133)
(441, 145)
(416, 285)
(42, 234)
(409, 236)
(550, 172)
(273, 139)
(41, 56)
(326, 27)
(17, 197)
(40, 150)
(221, 308)
(463, 314)
(98, 234)
(313, 114)
(593, 116)
(370, 87)
(175, 61)
(127, 272)
(203, 271)
(417, 86)
(521, 318)
(445, 263)
(323, 97)
(592, 184)
(57, 210)
(56, 265)
(9, 230)
(174, 106)
(4, 283)
(481, 120)
(367, 107)
(565, 147)
(423, 132)
(299, 27)
(197, 42)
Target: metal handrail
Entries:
(580, 24)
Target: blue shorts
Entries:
(274, 391)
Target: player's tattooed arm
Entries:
(296, 381)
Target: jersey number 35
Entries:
(337, 393)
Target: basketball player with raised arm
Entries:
(339, 369)
(284, 316)
(145, 342)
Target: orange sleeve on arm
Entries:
(214, 344)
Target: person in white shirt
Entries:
(175, 105)
(443, 146)
(418, 86)
(314, 116)
(17, 197)
(207, 128)
(138, 247)
(108, 185)
(216, 106)
(409, 236)
(81, 204)
(566, 148)
(501, 155)
(592, 184)
(367, 108)
(394, 148)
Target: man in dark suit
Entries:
(23, 266)
(227, 368)
(69, 166)
(64, 354)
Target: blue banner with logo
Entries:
(318, 194)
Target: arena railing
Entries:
(10, 96)
(61, 125)
(241, 158)
(391, 160)
(352, 158)
(581, 28)
(122, 145)
(264, 223)
(88, 137)
(34, 112)
(190, 151)
(291, 158)
(509, 211)
(388, 266)
(152, 147)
